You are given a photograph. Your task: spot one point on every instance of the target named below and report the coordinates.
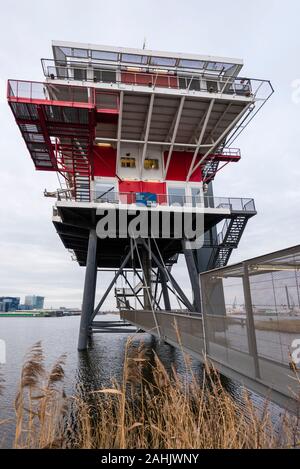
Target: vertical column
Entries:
(164, 287)
(250, 320)
(146, 262)
(89, 291)
(194, 276)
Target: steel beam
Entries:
(119, 131)
(164, 288)
(219, 140)
(110, 286)
(194, 276)
(151, 142)
(202, 133)
(89, 291)
(147, 131)
(250, 320)
(179, 112)
(175, 285)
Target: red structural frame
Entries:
(51, 138)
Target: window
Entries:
(83, 53)
(151, 163)
(79, 74)
(163, 61)
(103, 55)
(191, 63)
(215, 66)
(127, 162)
(134, 58)
(212, 86)
(105, 192)
(176, 195)
(196, 196)
(105, 76)
(192, 84)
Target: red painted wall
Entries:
(146, 78)
(105, 161)
(158, 188)
(180, 165)
(140, 186)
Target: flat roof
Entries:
(145, 57)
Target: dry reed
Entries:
(150, 408)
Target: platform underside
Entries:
(73, 224)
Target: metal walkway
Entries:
(249, 327)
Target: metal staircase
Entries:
(74, 161)
(227, 240)
(210, 169)
(82, 173)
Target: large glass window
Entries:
(163, 61)
(176, 195)
(103, 55)
(105, 192)
(106, 76)
(191, 63)
(134, 58)
(79, 74)
(196, 196)
(80, 53)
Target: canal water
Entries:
(86, 371)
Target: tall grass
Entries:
(157, 409)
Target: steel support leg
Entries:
(177, 288)
(146, 263)
(165, 292)
(194, 276)
(111, 285)
(250, 320)
(89, 291)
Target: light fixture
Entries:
(103, 144)
(134, 69)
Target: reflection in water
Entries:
(85, 371)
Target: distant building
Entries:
(24, 307)
(34, 302)
(9, 303)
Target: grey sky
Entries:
(264, 33)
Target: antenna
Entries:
(144, 43)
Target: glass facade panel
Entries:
(103, 55)
(176, 195)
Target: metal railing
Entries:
(205, 82)
(128, 198)
(17, 90)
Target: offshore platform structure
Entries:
(129, 132)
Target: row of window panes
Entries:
(176, 194)
(149, 163)
(108, 76)
(144, 59)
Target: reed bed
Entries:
(150, 408)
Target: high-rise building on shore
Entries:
(34, 302)
(9, 303)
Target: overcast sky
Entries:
(264, 33)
